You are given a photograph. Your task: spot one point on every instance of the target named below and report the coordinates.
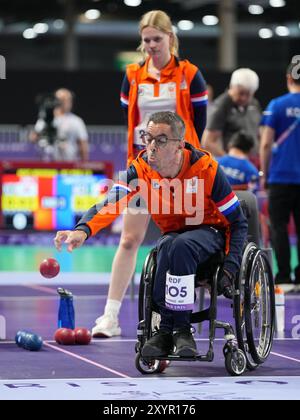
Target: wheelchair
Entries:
(247, 344)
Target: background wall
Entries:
(97, 92)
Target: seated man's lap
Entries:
(179, 253)
(186, 250)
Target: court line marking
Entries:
(285, 357)
(84, 359)
(134, 340)
(43, 297)
(41, 288)
(150, 378)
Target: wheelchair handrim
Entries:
(260, 344)
(239, 304)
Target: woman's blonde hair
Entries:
(161, 21)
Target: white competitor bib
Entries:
(180, 292)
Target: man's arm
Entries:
(268, 135)
(83, 149)
(82, 140)
(228, 204)
(35, 133)
(212, 141)
(101, 215)
(216, 123)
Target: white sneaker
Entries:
(106, 326)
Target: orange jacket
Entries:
(201, 184)
(182, 73)
(184, 196)
(190, 178)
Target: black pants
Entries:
(284, 200)
(180, 254)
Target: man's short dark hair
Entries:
(243, 141)
(294, 72)
(171, 119)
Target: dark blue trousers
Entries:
(180, 254)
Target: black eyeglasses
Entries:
(160, 141)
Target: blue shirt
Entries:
(283, 115)
(238, 171)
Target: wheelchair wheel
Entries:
(260, 308)
(145, 289)
(150, 367)
(240, 304)
(235, 362)
(254, 307)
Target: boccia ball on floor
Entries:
(64, 336)
(82, 336)
(19, 337)
(29, 341)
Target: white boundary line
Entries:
(41, 288)
(34, 298)
(84, 359)
(147, 378)
(285, 357)
(132, 340)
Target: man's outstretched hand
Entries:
(73, 238)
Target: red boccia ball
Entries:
(65, 336)
(49, 268)
(82, 336)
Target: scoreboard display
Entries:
(49, 198)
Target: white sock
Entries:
(112, 308)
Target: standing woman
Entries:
(163, 82)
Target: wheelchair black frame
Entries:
(209, 314)
(235, 350)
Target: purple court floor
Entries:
(105, 369)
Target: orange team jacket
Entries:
(179, 72)
(200, 194)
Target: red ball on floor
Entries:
(49, 268)
(82, 336)
(65, 336)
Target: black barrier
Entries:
(97, 93)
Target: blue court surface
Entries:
(105, 369)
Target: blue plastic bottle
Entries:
(66, 313)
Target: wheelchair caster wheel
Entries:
(137, 347)
(235, 362)
(226, 349)
(147, 367)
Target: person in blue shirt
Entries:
(240, 172)
(280, 163)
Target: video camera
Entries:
(47, 130)
(49, 140)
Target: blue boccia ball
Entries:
(32, 342)
(20, 337)
(29, 341)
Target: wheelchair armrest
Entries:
(245, 209)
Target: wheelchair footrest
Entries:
(199, 357)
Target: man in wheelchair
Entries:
(198, 215)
